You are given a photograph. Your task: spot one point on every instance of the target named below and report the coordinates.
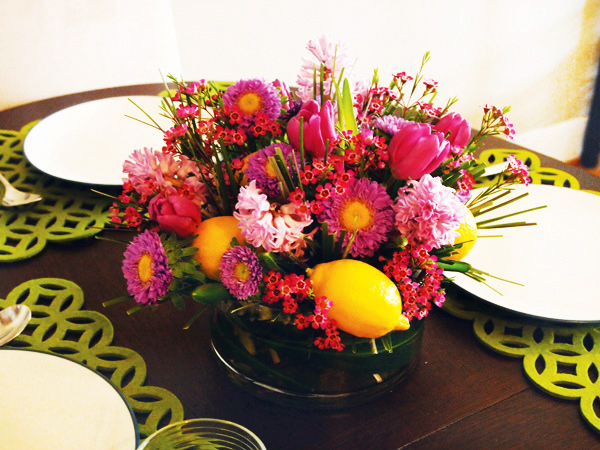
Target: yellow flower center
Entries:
(145, 272)
(241, 271)
(249, 103)
(356, 215)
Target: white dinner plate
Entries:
(89, 142)
(557, 260)
(50, 402)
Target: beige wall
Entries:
(537, 55)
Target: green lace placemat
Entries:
(562, 360)
(65, 213)
(59, 325)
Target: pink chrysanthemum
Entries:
(364, 209)
(146, 268)
(253, 96)
(261, 170)
(150, 172)
(333, 55)
(276, 229)
(240, 272)
(428, 213)
(389, 124)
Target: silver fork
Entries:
(14, 197)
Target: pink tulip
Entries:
(319, 126)
(175, 214)
(459, 128)
(415, 151)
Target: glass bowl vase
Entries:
(202, 434)
(276, 362)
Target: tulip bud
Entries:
(319, 126)
(459, 128)
(415, 151)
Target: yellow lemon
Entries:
(214, 236)
(467, 236)
(366, 303)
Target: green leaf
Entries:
(454, 266)
(347, 120)
(210, 294)
(178, 301)
(386, 340)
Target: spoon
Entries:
(13, 320)
(14, 197)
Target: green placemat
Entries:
(561, 360)
(66, 212)
(59, 325)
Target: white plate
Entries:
(50, 402)
(89, 142)
(557, 260)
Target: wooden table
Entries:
(462, 395)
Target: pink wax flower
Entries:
(457, 126)
(175, 214)
(284, 91)
(415, 151)
(319, 126)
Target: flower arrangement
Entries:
(258, 184)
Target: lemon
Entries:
(213, 240)
(366, 303)
(467, 236)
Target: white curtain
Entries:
(539, 56)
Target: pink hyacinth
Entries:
(333, 55)
(272, 227)
(428, 213)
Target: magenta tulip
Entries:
(175, 214)
(457, 126)
(319, 126)
(415, 151)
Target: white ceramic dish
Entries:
(50, 402)
(89, 142)
(557, 261)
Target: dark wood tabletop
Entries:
(462, 395)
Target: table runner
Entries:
(562, 360)
(59, 325)
(67, 211)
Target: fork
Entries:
(15, 197)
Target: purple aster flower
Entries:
(427, 212)
(253, 96)
(389, 124)
(240, 272)
(260, 169)
(364, 209)
(146, 268)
